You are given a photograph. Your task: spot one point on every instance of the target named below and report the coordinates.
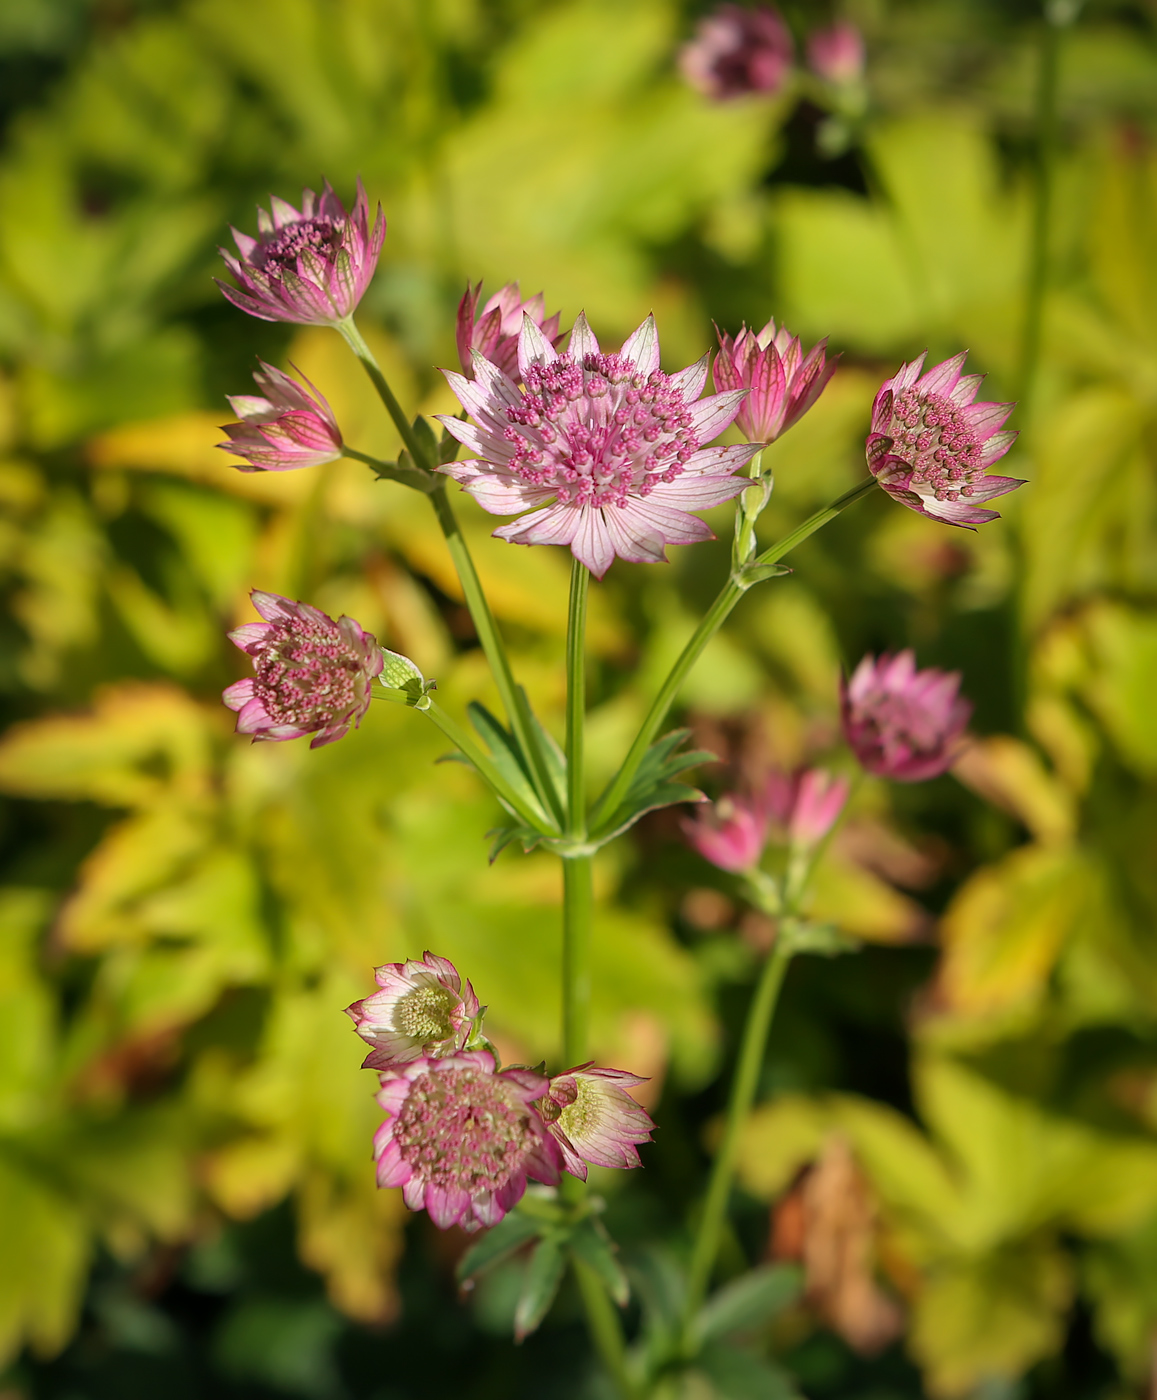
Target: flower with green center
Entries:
(423, 1009)
(593, 1119)
(461, 1139)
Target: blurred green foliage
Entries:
(185, 916)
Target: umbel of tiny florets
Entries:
(286, 428)
(310, 265)
(901, 723)
(930, 445)
(423, 1009)
(607, 449)
(461, 1139)
(313, 674)
(594, 1120)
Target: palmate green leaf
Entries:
(748, 1301)
(590, 1243)
(539, 1287)
(653, 785)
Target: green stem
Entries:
(1058, 16)
(513, 700)
(716, 616)
(577, 909)
(576, 700)
(461, 739)
(743, 1089)
(414, 477)
(605, 1328)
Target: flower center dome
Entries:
(319, 235)
(598, 432)
(933, 437)
(308, 674)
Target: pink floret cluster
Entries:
(902, 723)
(462, 1137)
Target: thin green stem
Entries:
(513, 700)
(462, 740)
(353, 338)
(576, 700)
(577, 910)
(717, 614)
(605, 1329)
(743, 1088)
(415, 477)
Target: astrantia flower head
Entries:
(802, 807)
(930, 445)
(594, 1120)
(461, 1140)
(494, 332)
(313, 674)
(902, 723)
(784, 382)
(836, 53)
(310, 265)
(608, 449)
(289, 427)
(423, 1009)
(730, 833)
(737, 50)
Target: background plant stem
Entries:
(743, 1088)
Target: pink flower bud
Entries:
(901, 723)
(313, 674)
(288, 428)
(494, 333)
(820, 799)
(930, 445)
(593, 1119)
(461, 1139)
(836, 54)
(737, 50)
(730, 833)
(309, 266)
(423, 1010)
(782, 381)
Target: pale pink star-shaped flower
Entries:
(594, 1120)
(423, 1009)
(930, 445)
(606, 451)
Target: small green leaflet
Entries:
(653, 785)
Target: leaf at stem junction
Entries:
(590, 1243)
(498, 1243)
(539, 1287)
(653, 786)
(748, 1301)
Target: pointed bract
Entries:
(605, 451)
(309, 266)
(494, 330)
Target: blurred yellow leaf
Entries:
(1009, 774)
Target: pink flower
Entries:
(494, 334)
(784, 383)
(930, 445)
(312, 266)
(836, 54)
(819, 800)
(730, 833)
(461, 1140)
(737, 50)
(313, 674)
(423, 1009)
(902, 723)
(593, 1119)
(607, 448)
(290, 427)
